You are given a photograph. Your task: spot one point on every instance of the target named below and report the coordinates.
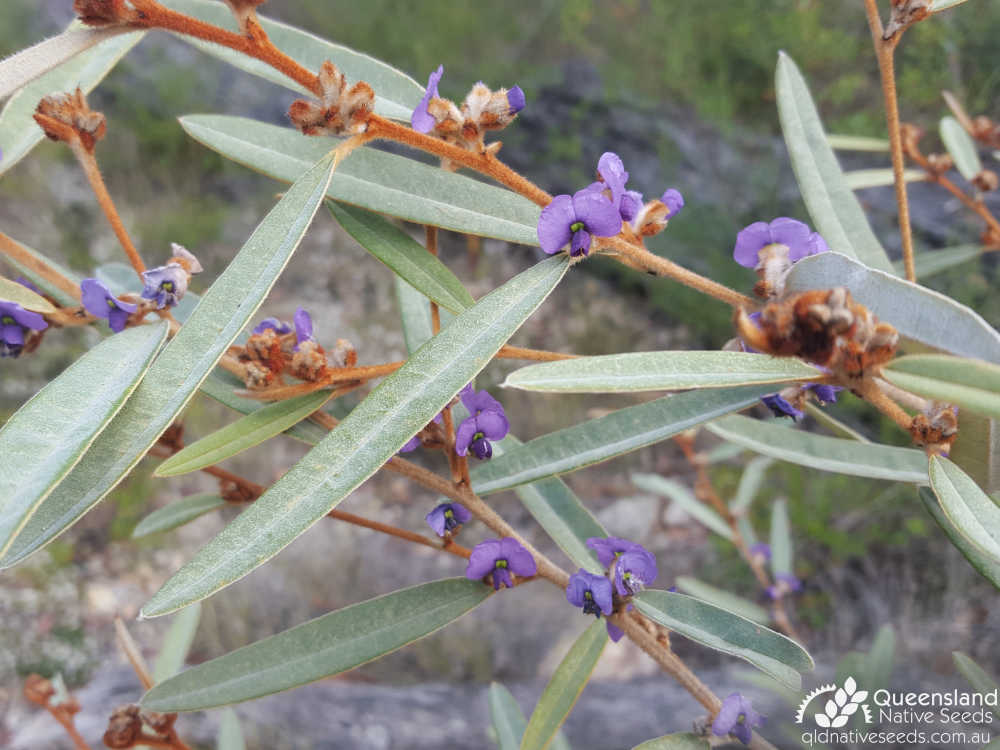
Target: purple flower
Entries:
(280, 327)
(784, 583)
(825, 394)
(303, 327)
(609, 548)
(446, 517)
(800, 240)
(414, 442)
(760, 549)
(635, 569)
(736, 717)
(781, 407)
(165, 284)
(99, 302)
(423, 121)
(674, 202)
(486, 421)
(25, 283)
(14, 321)
(501, 557)
(515, 99)
(615, 633)
(592, 592)
(574, 219)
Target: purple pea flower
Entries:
(515, 99)
(674, 202)
(280, 327)
(592, 592)
(446, 517)
(825, 394)
(486, 421)
(784, 583)
(165, 284)
(501, 557)
(736, 717)
(303, 327)
(635, 569)
(760, 549)
(574, 219)
(800, 240)
(781, 407)
(423, 121)
(99, 302)
(14, 321)
(609, 548)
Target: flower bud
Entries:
(66, 117)
(341, 111)
(986, 180)
(124, 727)
(102, 12)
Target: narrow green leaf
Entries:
(977, 676)
(177, 643)
(18, 131)
(242, 434)
(771, 652)
(560, 513)
(404, 255)
(859, 179)
(396, 94)
(415, 315)
(823, 417)
(917, 312)
(176, 374)
(507, 717)
(977, 449)
(723, 599)
(230, 733)
(683, 497)
(832, 204)
(659, 371)
(961, 147)
(750, 482)
(177, 514)
(370, 435)
(723, 452)
(970, 510)
(939, 5)
(53, 291)
(880, 659)
(564, 688)
(968, 383)
(612, 435)
(11, 291)
(45, 438)
(677, 741)
(857, 143)
(931, 262)
(781, 539)
(988, 567)
(328, 645)
(824, 453)
(375, 180)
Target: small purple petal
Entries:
(792, 233)
(117, 318)
(615, 633)
(501, 577)
(554, 224)
(13, 334)
(826, 394)
(761, 549)
(481, 448)
(479, 401)
(447, 516)
(464, 436)
(634, 570)
(519, 560)
(483, 559)
(272, 324)
(816, 244)
(599, 215)
(580, 244)
(749, 241)
(630, 205)
(26, 318)
(609, 548)
(515, 99)
(612, 171)
(94, 296)
(165, 284)
(493, 425)
(303, 326)
(782, 408)
(674, 202)
(421, 120)
(410, 445)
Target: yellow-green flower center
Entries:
(576, 226)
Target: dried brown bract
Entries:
(66, 117)
(124, 727)
(341, 111)
(986, 180)
(102, 12)
(937, 429)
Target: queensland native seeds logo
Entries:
(839, 708)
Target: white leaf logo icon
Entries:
(850, 686)
(839, 722)
(849, 710)
(859, 696)
(831, 709)
(822, 721)
(841, 697)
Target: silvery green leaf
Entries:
(375, 180)
(396, 94)
(723, 599)
(19, 294)
(918, 313)
(781, 539)
(677, 741)
(612, 435)
(986, 565)
(969, 383)
(750, 481)
(683, 497)
(243, 434)
(67, 295)
(659, 371)
(415, 315)
(771, 652)
(931, 262)
(860, 179)
(369, 436)
(977, 676)
(405, 256)
(325, 646)
(51, 433)
(564, 687)
(880, 659)
(832, 205)
(173, 378)
(961, 147)
(824, 453)
(823, 417)
(230, 733)
(177, 513)
(77, 57)
(177, 643)
(857, 143)
(968, 508)
(939, 5)
(506, 716)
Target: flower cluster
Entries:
(483, 110)
(499, 558)
(486, 422)
(16, 325)
(600, 209)
(736, 717)
(341, 111)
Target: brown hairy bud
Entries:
(159, 723)
(982, 127)
(66, 117)
(102, 12)
(343, 354)
(940, 163)
(124, 727)
(651, 219)
(340, 111)
(270, 349)
(937, 429)
(309, 362)
(37, 689)
(256, 376)
(986, 180)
